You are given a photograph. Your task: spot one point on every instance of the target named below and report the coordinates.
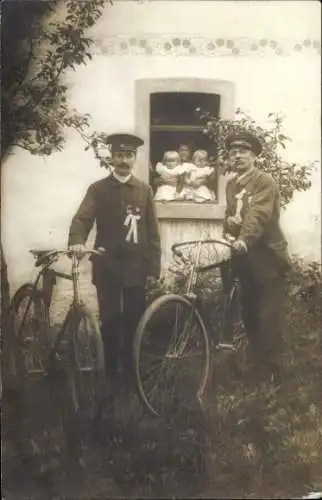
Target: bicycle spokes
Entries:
(172, 357)
(183, 331)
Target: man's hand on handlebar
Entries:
(77, 250)
(233, 221)
(229, 238)
(80, 250)
(239, 246)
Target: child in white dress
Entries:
(196, 177)
(170, 172)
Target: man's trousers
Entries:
(263, 310)
(120, 310)
(263, 317)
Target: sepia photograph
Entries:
(162, 157)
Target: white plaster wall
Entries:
(259, 19)
(40, 195)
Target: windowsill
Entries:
(185, 210)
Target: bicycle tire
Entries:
(32, 342)
(157, 306)
(86, 371)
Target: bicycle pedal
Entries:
(225, 347)
(63, 342)
(28, 340)
(239, 338)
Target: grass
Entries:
(251, 440)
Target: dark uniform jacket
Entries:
(127, 228)
(256, 198)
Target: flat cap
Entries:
(124, 142)
(245, 140)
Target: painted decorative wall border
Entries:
(192, 45)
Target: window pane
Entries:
(179, 108)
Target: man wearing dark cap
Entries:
(252, 218)
(122, 207)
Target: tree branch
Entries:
(20, 82)
(33, 97)
(21, 146)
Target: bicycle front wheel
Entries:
(86, 368)
(171, 355)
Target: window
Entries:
(174, 122)
(184, 180)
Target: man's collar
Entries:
(116, 180)
(121, 179)
(244, 178)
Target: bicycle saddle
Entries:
(42, 256)
(40, 253)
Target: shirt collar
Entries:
(122, 180)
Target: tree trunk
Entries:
(8, 371)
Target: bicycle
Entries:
(172, 344)
(76, 351)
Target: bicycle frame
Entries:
(76, 302)
(49, 280)
(193, 274)
(229, 281)
(75, 279)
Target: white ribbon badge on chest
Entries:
(240, 201)
(131, 221)
(240, 197)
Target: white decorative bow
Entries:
(131, 220)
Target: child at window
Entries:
(196, 178)
(170, 173)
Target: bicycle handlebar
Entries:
(43, 256)
(179, 254)
(88, 252)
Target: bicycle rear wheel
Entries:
(86, 370)
(31, 325)
(171, 355)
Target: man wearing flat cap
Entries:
(122, 207)
(252, 218)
